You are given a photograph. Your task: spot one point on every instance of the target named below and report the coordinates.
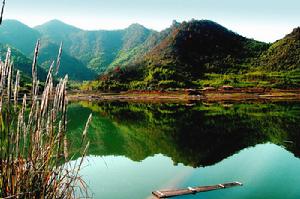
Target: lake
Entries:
(137, 148)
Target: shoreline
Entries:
(190, 95)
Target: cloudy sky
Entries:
(265, 20)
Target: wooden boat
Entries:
(193, 190)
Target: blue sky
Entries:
(265, 20)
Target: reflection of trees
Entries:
(193, 135)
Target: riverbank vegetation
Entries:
(255, 79)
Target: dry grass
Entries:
(34, 149)
(2, 11)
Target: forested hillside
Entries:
(95, 49)
(284, 54)
(184, 53)
(196, 53)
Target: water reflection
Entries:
(193, 134)
(267, 171)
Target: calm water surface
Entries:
(137, 148)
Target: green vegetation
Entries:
(261, 79)
(97, 50)
(255, 79)
(191, 54)
(18, 35)
(12, 31)
(70, 66)
(284, 54)
(198, 54)
(86, 53)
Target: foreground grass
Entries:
(34, 150)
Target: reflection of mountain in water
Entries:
(195, 135)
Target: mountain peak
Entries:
(57, 25)
(136, 25)
(203, 24)
(134, 35)
(12, 30)
(294, 34)
(55, 21)
(14, 23)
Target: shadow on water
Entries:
(195, 134)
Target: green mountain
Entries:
(69, 65)
(134, 39)
(183, 55)
(185, 52)
(57, 31)
(19, 35)
(95, 49)
(23, 38)
(137, 53)
(284, 54)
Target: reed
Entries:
(2, 11)
(34, 158)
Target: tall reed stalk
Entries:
(34, 149)
(2, 11)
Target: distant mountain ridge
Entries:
(207, 47)
(185, 50)
(96, 49)
(23, 38)
(19, 35)
(86, 53)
